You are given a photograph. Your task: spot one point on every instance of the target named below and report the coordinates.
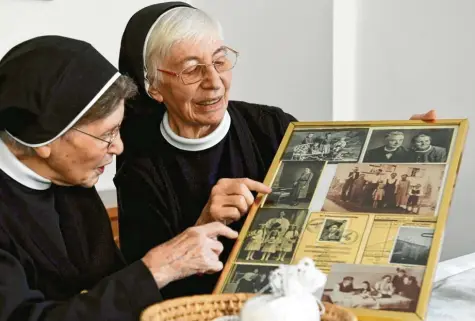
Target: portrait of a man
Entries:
(392, 150)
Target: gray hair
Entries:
(17, 146)
(182, 23)
(394, 133)
(421, 135)
(123, 88)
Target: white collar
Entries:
(195, 144)
(19, 171)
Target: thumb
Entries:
(215, 229)
(430, 115)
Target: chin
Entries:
(214, 118)
(90, 182)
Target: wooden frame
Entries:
(438, 219)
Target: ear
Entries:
(156, 94)
(43, 151)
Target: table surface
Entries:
(453, 295)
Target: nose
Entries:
(117, 146)
(211, 78)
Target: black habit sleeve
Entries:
(121, 296)
(150, 209)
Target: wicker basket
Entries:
(210, 307)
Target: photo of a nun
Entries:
(61, 106)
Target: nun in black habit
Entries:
(61, 106)
(182, 135)
(191, 154)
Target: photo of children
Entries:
(331, 145)
(273, 236)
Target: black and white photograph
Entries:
(374, 287)
(245, 278)
(294, 184)
(273, 236)
(421, 145)
(385, 188)
(412, 246)
(331, 145)
(332, 230)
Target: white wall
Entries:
(415, 55)
(286, 50)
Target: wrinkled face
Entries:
(79, 159)
(394, 141)
(422, 143)
(199, 104)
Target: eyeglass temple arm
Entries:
(168, 72)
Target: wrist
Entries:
(162, 274)
(204, 218)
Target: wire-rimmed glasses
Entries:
(109, 140)
(226, 60)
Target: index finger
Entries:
(215, 229)
(255, 185)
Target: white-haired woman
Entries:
(191, 154)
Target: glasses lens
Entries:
(192, 74)
(226, 60)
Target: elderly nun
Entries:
(192, 155)
(61, 106)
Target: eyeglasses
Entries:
(109, 140)
(191, 75)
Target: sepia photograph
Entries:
(245, 278)
(412, 246)
(331, 145)
(332, 230)
(374, 287)
(421, 145)
(273, 236)
(294, 184)
(385, 188)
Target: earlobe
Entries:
(43, 151)
(155, 94)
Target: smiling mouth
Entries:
(209, 102)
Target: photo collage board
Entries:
(367, 201)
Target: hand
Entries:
(194, 251)
(230, 199)
(429, 116)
